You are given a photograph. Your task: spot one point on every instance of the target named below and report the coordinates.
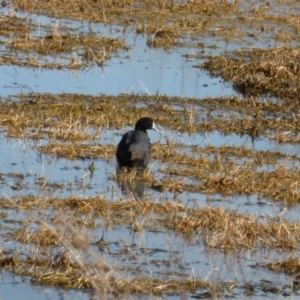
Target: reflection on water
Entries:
(148, 70)
(15, 287)
(140, 70)
(133, 182)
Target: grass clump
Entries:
(290, 266)
(258, 72)
(72, 124)
(220, 228)
(61, 252)
(81, 117)
(170, 24)
(54, 47)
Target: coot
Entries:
(134, 148)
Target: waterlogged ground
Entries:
(216, 214)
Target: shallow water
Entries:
(165, 251)
(141, 70)
(15, 287)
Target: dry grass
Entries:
(72, 262)
(219, 228)
(290, 266)
(81, 117)
(123, 11)
(39, 46)
(57, 243)
(78, 151)
(74, 123)
(258, 72)
(65, 228)
(232, 179)
(70, 276)
(169, 24)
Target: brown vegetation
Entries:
(56, 240)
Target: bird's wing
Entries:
(140, 147)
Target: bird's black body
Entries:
(134, 148)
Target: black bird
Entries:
(134, 148)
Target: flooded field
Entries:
(216, 213)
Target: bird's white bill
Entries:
(154, 127)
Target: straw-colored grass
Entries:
(81, 117)
(219, 228)
(57, 47)
(73, 125)
(72, 261)
(57, 241)
(275, 71)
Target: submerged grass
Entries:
(290, 266)
(53, 47)
(167, 24)
(73, 260)
(80, 242)
(258, 71)
(73, 124)
(218, 227)
(216, 170)
(164, 21)
(70, 276)
(81, 117)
